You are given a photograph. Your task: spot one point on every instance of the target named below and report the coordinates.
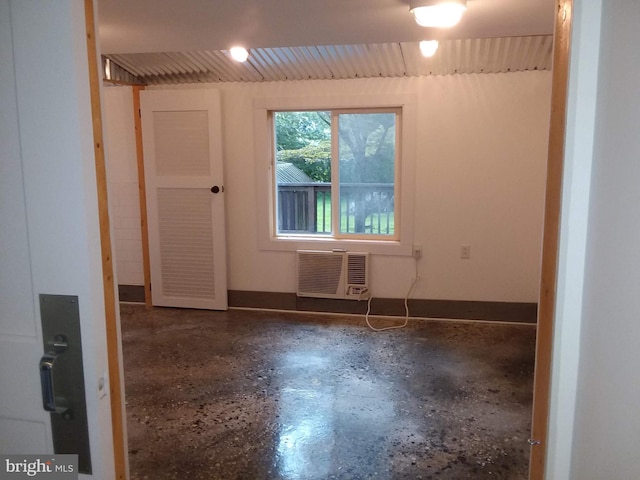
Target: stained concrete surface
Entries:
(264, 395)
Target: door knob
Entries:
(216, 189)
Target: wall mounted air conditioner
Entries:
(333, 274)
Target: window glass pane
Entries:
(303, 172)
(367, 152)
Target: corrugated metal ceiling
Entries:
(488, 55)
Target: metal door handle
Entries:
(47, 363)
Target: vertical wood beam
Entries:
(110, 297)
(142, 192)
(551, 239)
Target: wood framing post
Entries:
(550, 242)
(110, 297)
(146, 263)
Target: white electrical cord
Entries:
(406, 305)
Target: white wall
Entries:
(124, 208)
(607, 432)
(480, 174)
(580, 127)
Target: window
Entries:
(379, 219)
(335, 173)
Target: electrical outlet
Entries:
(465, 252)
(417, 251)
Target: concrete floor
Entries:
(263, 395)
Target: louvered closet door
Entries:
(183, 166)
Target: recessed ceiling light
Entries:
(239, 54)
(428, 47)
(438, 13)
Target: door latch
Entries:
(47, 364)
(62, 377)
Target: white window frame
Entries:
(269, 239)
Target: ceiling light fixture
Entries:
(438, 13)
(428, 48)
(239, 54)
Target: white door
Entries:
(24, 425)
(181, 139)
(49, 232)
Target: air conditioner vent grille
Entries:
(333, 274)
(356, 269)
(319, 273)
